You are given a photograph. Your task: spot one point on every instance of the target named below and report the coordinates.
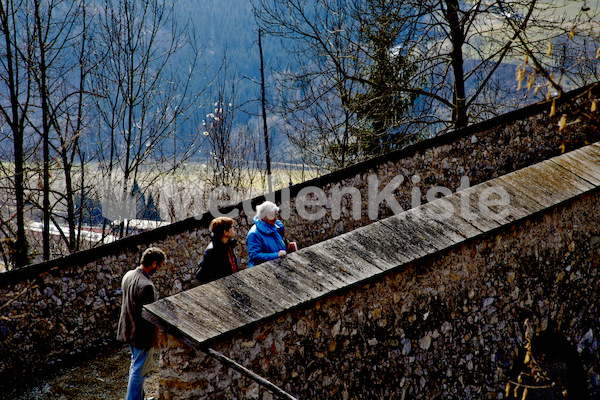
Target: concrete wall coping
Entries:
(205, 313)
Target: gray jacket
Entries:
(138, 290)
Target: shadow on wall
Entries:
(548, 367)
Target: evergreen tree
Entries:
(89, 210)
(382, 105)
(151, 212)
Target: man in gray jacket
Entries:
(138, 290)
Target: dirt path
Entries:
(103, 376)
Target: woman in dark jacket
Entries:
(219, 258)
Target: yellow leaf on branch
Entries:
(530, 81)
(562, 124)
(520, 73)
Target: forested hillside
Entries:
(227, 32)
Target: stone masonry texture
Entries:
(446, 327)
(52, 312)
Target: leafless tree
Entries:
(232, 165)
(15, 100)
(143, 98)
(445, 62)
(58, 31)
(86, 85)
(339, 96)
(561, 49)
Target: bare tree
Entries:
(86, 85)
(445, 63)
(58, 32)
(143, 98)
(316, 122)
(560, 50)
(232, 162)
(349, 64)
(15, 101)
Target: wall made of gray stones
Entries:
(463, 158)
(446, 327)
(73, 303)
(73, 308)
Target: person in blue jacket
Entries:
(265, 239)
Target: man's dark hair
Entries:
(152, 254)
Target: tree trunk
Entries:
(459, 111)
(264, 112)
(45, 133)
(15, 119)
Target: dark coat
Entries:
(216, 262)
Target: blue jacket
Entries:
(264, 241)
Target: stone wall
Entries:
(450, 326)
(73, 302)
